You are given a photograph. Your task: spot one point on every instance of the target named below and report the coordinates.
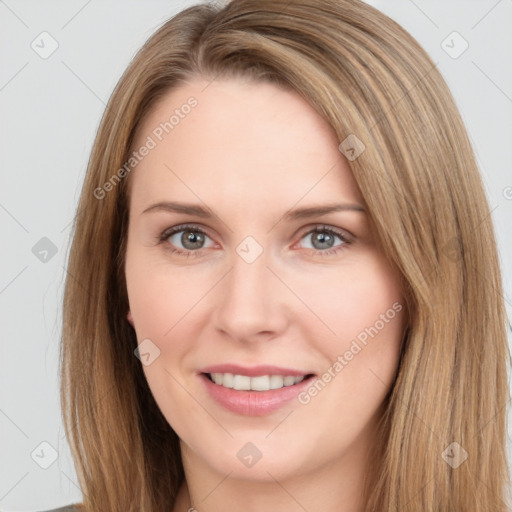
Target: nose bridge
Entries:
(250, 298)
(248, 280)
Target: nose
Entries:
(251, 302)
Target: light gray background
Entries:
(50, 110)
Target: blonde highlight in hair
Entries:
(366, 76)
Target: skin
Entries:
(244, 154)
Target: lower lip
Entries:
(253, 403)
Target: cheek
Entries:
(160, 298)
(353, 301)
(366, 309)
(151, 301)
(159, 295)
(378, 312)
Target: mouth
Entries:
(261, 383)
(257, 395)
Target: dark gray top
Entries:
(68, 508)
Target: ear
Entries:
(129, 317)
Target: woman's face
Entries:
(245, 280)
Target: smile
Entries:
(259, 383)
(256, 395)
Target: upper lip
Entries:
(253, 371)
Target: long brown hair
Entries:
(370, 79)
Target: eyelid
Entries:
(319, 226)
(166, 233)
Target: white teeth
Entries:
(289, 381)
(276, 382)
(227, 379)
(241, 382)
(260, 383)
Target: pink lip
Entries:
(252, 403)
(253, 371)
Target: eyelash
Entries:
(164, 236)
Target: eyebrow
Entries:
(297, 214)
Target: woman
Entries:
(284, 288)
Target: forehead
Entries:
(250, 143)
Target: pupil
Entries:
(191, 239)
(323, 238)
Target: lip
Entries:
(253, 371)
(254, 403)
